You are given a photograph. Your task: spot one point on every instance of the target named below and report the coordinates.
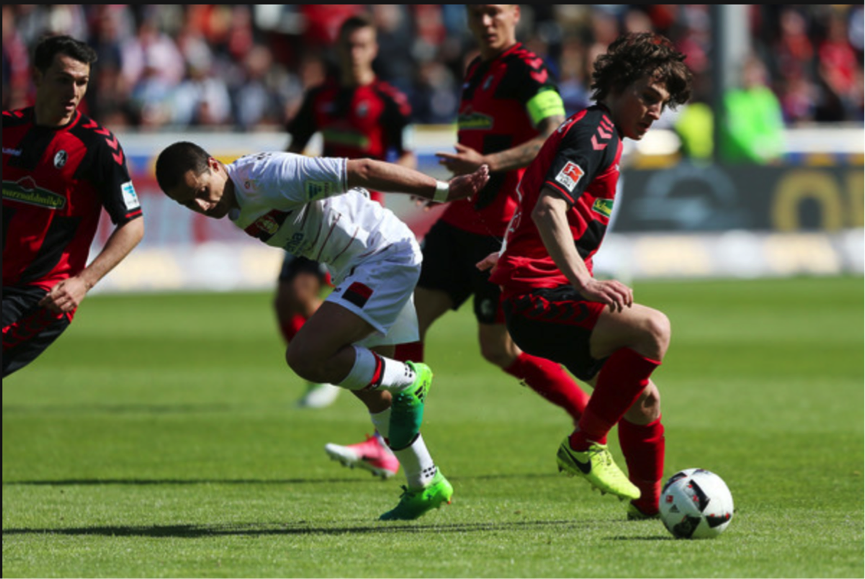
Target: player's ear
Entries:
(516, 13)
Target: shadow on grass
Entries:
(252, 529)
(288, 481)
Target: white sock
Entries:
(373, 371)
(417, 464)
(381, 421)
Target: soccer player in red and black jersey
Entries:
(555, 308)
(509, 105)
(60, 168)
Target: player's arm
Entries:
(393, 178)
(543, 105)
(550, 217)
(69, 293)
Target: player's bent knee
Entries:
(659, 330)
(303, 363)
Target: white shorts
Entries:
(380, 290)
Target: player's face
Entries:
(211, 193)
(640, 104)
(358, 50)
(59, 90)
(494, 26)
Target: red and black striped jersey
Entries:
(56, 180)
(493, 117)
(355, 122)
(580, 163)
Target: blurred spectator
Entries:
(16, 64)
(813, 53)
(754, 124)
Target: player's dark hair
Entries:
(635, 55)
(50, 46)
(175, 160)
(353, 23)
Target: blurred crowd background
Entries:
(246, 67)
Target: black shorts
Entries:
(293, 265)
(449, 258)
(555, 324)
(27, 328)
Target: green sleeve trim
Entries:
(545, 104)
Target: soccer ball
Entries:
(696, 504)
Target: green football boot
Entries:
(406, 413)
(596, 465)
(414, 503)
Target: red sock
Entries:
(412, 351)
(290, 328)
(551, 381)
(622, 379)
(643, 447)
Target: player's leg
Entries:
(444, 284)
(633, 344)
(558, 324)
(641, 437)
(545, 377)
(28, 329)
(426, 486)
(298, 296)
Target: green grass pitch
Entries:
(157, 438)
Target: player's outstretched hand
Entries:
(613, 293)
(463, 186)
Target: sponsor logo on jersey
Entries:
(362, 109)
(130, 197)
(26, 191)
(60, 159)
(475, 121)
(570, 175)
(13, 152)
(346, 138)
(317, 189)
(603, 206)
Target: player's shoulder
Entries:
(521, 57)
(592, 119)
(390, 92)
(17, 117)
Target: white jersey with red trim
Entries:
(303, 205)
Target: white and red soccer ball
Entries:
(696, 504)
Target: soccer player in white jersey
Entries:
(319, 208)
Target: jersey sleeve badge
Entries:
(570, 175)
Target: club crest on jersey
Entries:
(570, 175)
(267, 224)
(60, 159)
(603, 206)
(487, 82)
(362, 109)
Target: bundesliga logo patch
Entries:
(570, 175)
